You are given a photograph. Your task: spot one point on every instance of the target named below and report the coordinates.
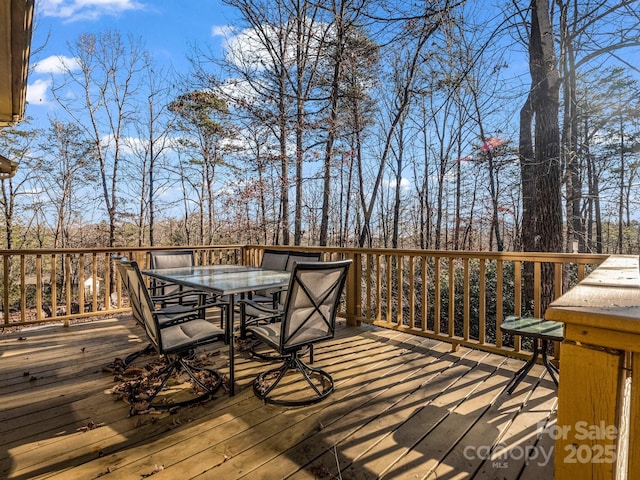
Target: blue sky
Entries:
(167, 28)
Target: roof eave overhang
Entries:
(8, 168)
(15, 46)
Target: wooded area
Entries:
(435, 125)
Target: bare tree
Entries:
(419, 31)
(264, 73)
(202, 118)
(18, 144)
(64, 174)
(151, 143)
(104, 76)
(587, 37)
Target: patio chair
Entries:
(175, 333)
(271, 260)
(137, 316)
(274, 259)
(267, 305)
(170, 293)
(308, 317)
(280, 260)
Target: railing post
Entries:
(588, 396)
(597, 436)
(5, 290)
(354, 290)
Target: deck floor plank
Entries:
(422, 412)
(524, 433)
(381, 414)
(280, 431)
(166, 453)
(404, 407)
(352, 409)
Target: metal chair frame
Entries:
(174, 334)
(308, 317)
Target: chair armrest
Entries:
(184, 297)
(188, 314)
(258, 311)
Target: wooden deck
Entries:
(404, 407)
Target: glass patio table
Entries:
(227, 281)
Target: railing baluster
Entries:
(369, 267)
(412, 292)
(399, 260)
(23, 289)
(499, 301)
(81, 300)
(94, 281)
(537, 290)
(378, 288)
(437, 299)
(425, 293)
(389, 277)
(482, 303)
(54, 290)
(452, 298)
(466, 300)
(517, 294)
(5, 292)
(107, 280)
(67, 283)
(39, 287)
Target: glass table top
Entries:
(223, 279)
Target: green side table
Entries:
(541, 331)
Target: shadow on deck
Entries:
(404, 407)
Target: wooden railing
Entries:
(40, 286)
(458, 297)
(598, 428)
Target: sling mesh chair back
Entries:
(271, 260)
(295, 257)
(171, 296)
(267, 304)
(274, 259)
(309, 317)
(122, 364)
(175, 335)
(159, 259)
(279, 260)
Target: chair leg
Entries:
(120, 365)
(524, 370)
(148, 350)
(271, 356)
(321, 388)
(147, 389)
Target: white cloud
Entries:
(405, 184)
(247, 50)
(73, 10)
(224, 31)
(56, 64)
(37, 92)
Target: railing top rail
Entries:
(46, 251)
(512, 256)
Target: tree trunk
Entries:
(547, 169)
